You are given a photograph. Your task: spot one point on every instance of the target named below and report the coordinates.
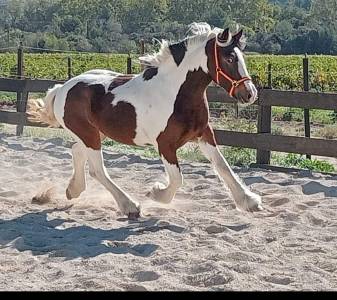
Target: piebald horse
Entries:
(164, 106)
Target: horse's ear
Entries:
(237, 37)
(224, 38)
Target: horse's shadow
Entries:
(34, 232)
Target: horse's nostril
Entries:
(250, 96)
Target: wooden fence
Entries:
(262, 140)
(22, 87)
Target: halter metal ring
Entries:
(236, 84)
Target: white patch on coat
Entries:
(174, 176)
(165, 193)
(244, 73)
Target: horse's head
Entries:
(227, 67)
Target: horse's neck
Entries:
(197, 77)
(191, 75)
(196, 84)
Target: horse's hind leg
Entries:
(244, 198)
(77, 183)
(97, 170)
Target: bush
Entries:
(299, 161)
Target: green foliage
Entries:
(299, 161)
(287, 72)
(7, 97)
(237, 156)
(54, 66)
(278, 27)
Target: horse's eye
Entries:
(230, 59)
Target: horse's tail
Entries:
(42, 111)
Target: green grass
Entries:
(148, 151)
(7, 97)
(297, 114)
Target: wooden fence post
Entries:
(264, 123)
(142, 52)
(306, 89)
(236, 108)
(128, 65)
(70, 68)
(263, 126)
(20, 62)
(270, 76)
(21, 97)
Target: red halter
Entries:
(234, 83)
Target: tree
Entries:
(274, 26)
(324, 13)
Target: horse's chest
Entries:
(192, 118)
(191, 113)
(152, 118)
(155, 116)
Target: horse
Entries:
(164, 106)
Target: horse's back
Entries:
(102, 72)
(84, 105)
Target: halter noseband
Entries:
(219, 71)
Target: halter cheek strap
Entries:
(219, 71)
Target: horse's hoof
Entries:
(259, 208)
(74, 194)
(160, 193)
(69, 197)
(254, 202)
(134, 215)
(256, 208)
(249, 202)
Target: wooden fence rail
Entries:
(263, 140)
(22, 87)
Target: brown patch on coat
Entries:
(208, 136)
(118, 122)
(149, 73)
(89, 113)
(190, 116)
(120, 80)
(78, 116)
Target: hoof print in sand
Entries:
(208, 280)
(143, 276)
(215, 229)
(278, 280)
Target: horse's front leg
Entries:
(165, 193)
(243, 197)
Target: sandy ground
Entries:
(199, 242)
